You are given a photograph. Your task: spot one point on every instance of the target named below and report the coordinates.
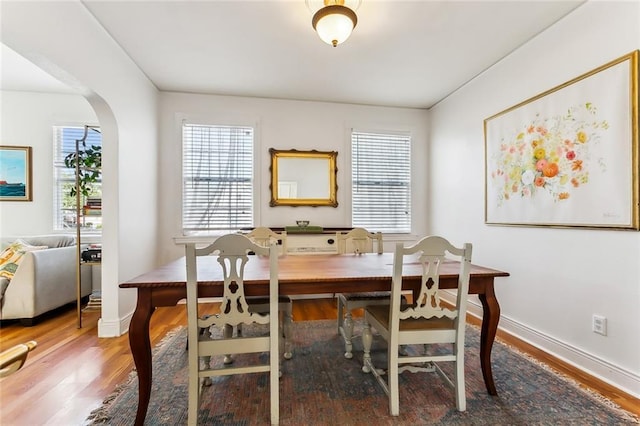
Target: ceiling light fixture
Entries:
(334, 22)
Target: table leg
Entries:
(141, 350)
(490, 318)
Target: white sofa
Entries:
(44, 280)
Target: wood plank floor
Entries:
(72, 370)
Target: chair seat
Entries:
(381, 314)
(261, 304)
(372, 295)
(262, 300)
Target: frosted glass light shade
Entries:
(334, 23)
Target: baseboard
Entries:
(600, 369)
(114, 328)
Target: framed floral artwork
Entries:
(15, 173)
(568, 157)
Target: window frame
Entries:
(404, 226)
(188, 229)
(92, 225)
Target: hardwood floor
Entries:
(71, 371)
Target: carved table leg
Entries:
(141, 350)
(490, 318)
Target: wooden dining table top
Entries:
(311, 274)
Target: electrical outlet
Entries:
(599, 324)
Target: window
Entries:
(64, 209)
(381, 181)
(217, 178)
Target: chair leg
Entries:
(227, 333)
(287, 329)
(392, 380)
(340, 313)
(367, 341)
(274, 395)
(207, 359)
(348, 334)
(461, 399)
(194, 389)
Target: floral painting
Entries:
(567, 157)
(549, 154)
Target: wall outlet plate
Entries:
(599, 324)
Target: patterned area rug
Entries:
(320, 387)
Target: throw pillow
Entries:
(4, 283)
(11, 257)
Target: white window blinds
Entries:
(381, 182)
(217, 175)
(64, 205)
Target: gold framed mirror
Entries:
(303, 178)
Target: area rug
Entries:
(320, 387)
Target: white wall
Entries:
(283, 124)
(64, 39)
(559, 277)
(27, 119)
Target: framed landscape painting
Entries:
(15, 173)
(569, 156)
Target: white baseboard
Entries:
(614, 375)
(114, 328)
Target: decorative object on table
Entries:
(308, 229)
(15, 173)
(302, 223)
(568, 157)
(324, 389)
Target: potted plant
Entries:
(89, 162)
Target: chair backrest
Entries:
(431, 253)
(264, 236)
(359, 240)
(12, 359)
(232, 254)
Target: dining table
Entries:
(319, 274)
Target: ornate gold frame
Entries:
(332, 171)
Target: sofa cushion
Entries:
(11, 256)
(51, 241)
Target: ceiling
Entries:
(401, 53)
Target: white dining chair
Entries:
(264, 237)
(13, 358)
(424, 322)
(357, 241)
(231, 252)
